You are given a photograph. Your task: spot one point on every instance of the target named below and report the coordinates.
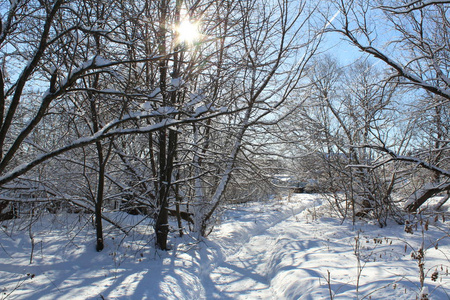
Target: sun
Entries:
(188, 32)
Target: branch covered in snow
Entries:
(410, 159)
(401, 70)
(423, 194)
(110, 130)
(97, 62)
(414, 52)
(412, 6)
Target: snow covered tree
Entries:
(414, 48)
(344, 106)
(72, 62)
(271, 44)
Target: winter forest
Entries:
(224, 149)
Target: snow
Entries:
(177, 83)
(166, 110)
(147, 105)
(278, 249)
(100, 61)
(201, 109)
(195, 98)
(155, 92)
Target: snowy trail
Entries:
(254, 270)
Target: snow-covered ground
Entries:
(280, 249)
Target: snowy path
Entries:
(255, 263)
(262, 264)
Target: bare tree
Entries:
(415, 50)
(345, 107)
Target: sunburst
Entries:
(188, 32)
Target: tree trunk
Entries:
(422, 195)
(166, 169)
(99, 202)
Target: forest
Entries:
(176, 112)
